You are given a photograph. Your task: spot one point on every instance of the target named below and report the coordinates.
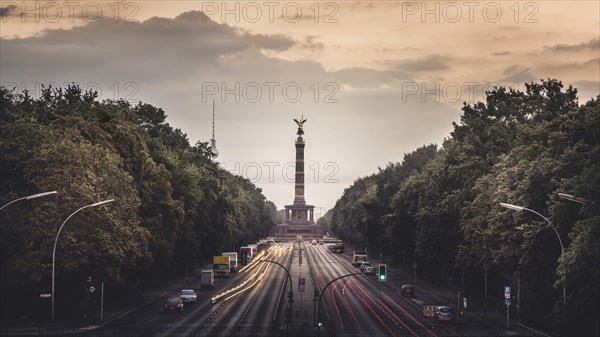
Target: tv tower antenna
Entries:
(213, 141)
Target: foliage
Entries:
(174, 206)
(443, 211)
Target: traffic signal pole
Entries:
(321, 296)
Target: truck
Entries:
(440, 312)
(207, 279)
(358, 258)
(233, 261)
(247, 254)
(221, 266)
(337, 247)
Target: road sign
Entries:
(507, 302)
(45, 295)
(507, 292)
(92, 289)
(301, 283)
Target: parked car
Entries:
(188, 296)
(408, 290)
(445, 314)
(370, 271)
(173, 304)
(364, 265)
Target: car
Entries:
(314, 242)
(364, 265)
(370, 271)
(173, 304)
(408, 290)
(445, 314)
(321, 242)
(188, 296)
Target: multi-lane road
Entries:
(360, 305)
(252, 302)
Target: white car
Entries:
(370, 271)
(188, 296)
(445, 314)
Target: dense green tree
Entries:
(442, 210)
(174, 206)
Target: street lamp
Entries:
(572, 198)
(562, 247)
(319, 323)
(56, 241)
(291, 293)
(33, 196)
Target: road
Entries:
(252, 301)
(361, 305)
(245, 304)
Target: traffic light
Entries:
(382, 272)
(89, 289)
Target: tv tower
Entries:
(213, 141)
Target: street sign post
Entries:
(507, 302)
(301, 284)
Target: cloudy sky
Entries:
(374, 79)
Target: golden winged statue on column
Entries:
(300, 125)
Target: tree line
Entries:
(439, 209)
(174, 207)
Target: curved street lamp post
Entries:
(562, 247)
(573, 198)
(56, 241)
(291, 293)
(33, 196)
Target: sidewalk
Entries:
(112, 312)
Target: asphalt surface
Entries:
(493, 321)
